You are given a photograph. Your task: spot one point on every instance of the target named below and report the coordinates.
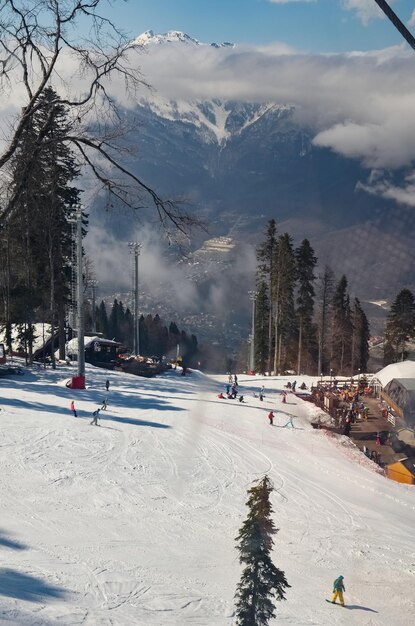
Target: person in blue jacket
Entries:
(338, 588)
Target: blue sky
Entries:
(312, 25)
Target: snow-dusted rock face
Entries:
(214, 121)
(174, 36)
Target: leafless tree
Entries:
(35, 37)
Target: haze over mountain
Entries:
(241, 161)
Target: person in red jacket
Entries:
(73, 409)
(271, 418)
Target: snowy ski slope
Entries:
(133, 523)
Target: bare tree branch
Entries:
(34, 37)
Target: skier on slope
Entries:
(271, 418)
(289, 423)
(338, 588)
(73, 409)
(95, 415)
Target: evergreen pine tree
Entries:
(265, 274)
(38, 226)
(261, 328)
(283, 297)
(261, 580)
(102, 320)
(400, 327)
(325, 301)
(305, 265)
(360, 341)
(342, 331)
(114, 321)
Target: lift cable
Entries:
(396, 22)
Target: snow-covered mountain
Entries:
(174, 36)
(214, 121)
(240, 163)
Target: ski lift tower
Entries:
(78, 381)
(135, 249)
(252, 297)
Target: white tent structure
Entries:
(403, 369)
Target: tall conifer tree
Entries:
(42, 171)
(400, 327)
(265, 274)
(360, 341)
(284, 271)
(325, 301)
(342, 331)
(261, 580)
(261, 328)
(305, 266)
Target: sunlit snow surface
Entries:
(133, 523)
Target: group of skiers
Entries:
(95, 414)
(231, 393)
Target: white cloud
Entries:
(365, 9)
(412, 19)
(379, 185)
(358, 104)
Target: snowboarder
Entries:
(228, 388)
(271, 418)
(221, 396)
(75, 414)
(95, 417)
(104, 405)
(289, 423)
(338, 588)
(293, 386)
(235, 379)
(107, 384)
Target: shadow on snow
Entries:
(14, 584)
(5, 542)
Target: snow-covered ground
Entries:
(133, 523)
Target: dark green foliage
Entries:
(325, 301)
(114, 321)
(284, 273)
(305, 266)
(155, 338)
(262, 582)
(261, 329)
(37, 237)
(342, 330)
(400, 327)
(265, 275)
(102, 319)
(361, 336)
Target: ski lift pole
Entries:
(80, 297)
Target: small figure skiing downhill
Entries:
(95, 416)
(271, 418)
